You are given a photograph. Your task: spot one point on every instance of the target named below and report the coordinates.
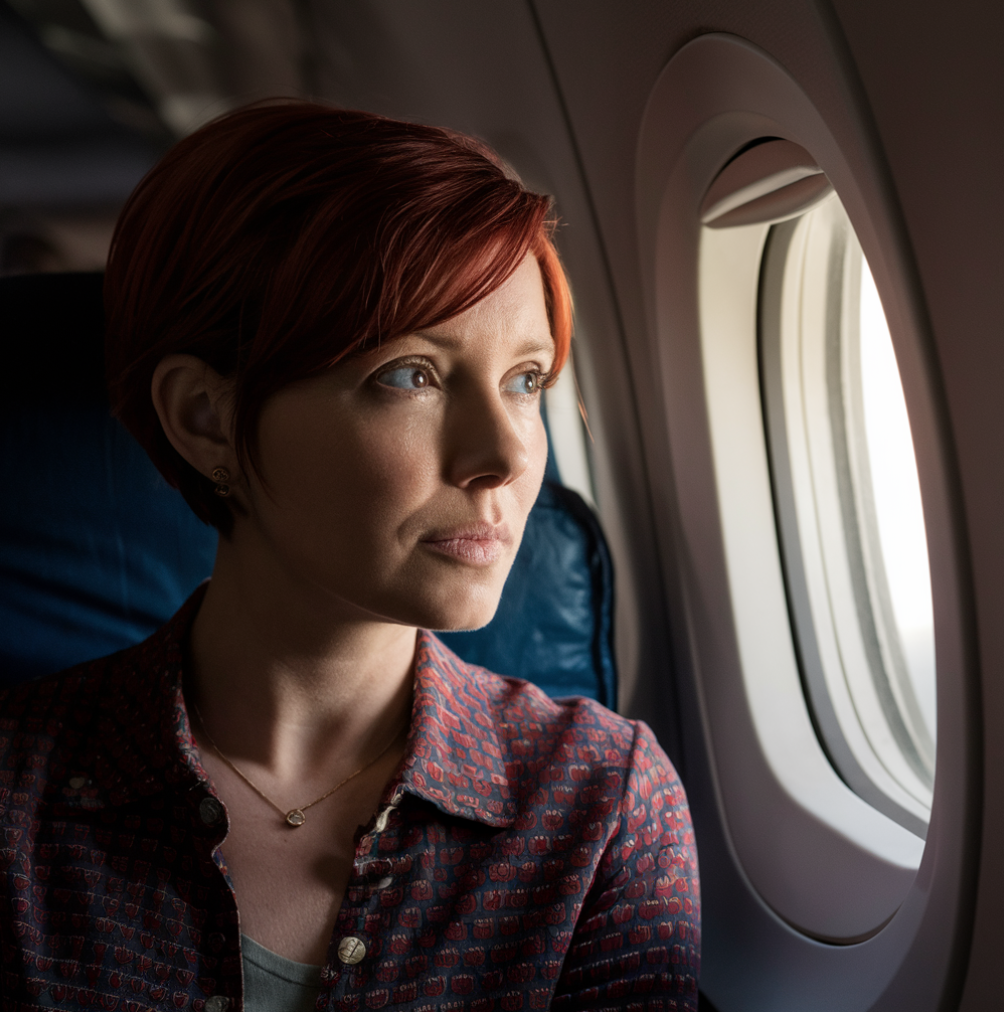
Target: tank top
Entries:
(273, 983)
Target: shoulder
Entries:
(78, 691)
(59, 727)
(44, 724)
(42, 706)
(76, 705)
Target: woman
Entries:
(330, 330)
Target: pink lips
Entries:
(478, 544)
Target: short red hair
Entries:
(286, 235)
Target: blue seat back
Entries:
(97, 550)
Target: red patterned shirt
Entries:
(528, 854)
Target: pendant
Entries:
(295, 818)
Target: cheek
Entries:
(525, 489)
(344, 473)
(388, 470)
(535, 442)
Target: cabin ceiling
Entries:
(91, 91)
(104, 86)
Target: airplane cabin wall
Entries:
(925, 81)
(934, 78)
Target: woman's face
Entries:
(398, 483)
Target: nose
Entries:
(486, 447)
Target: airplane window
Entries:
(803, 567)
(849, 511)
(567, 422)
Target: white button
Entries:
(77, 782)
(385, 883)
(217, 1003)
(211, 812)
(351, 950)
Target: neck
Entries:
(289, 681)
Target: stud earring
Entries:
(221, 476)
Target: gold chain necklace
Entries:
(294, 817)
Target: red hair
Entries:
(284, 236)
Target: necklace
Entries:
(294, 817)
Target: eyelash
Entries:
(542, 379)
(418, 364)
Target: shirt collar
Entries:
(141, 741)
(454, 756)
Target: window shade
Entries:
(770, 182)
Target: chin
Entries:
(461, 619)
(456, 609)
(463, 625)
(444, 598)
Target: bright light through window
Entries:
(898, 511)
(850, 513)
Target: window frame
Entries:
(806, 312)
(826, 831)
(716, 95)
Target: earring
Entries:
(221, 476)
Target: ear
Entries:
(195, 408)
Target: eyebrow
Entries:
(532, 346)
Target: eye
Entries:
(406, 377)
(525, 383)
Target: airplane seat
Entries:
(97, 550)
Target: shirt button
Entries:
(211, 812)
(351, 950)
(77, 782)
(385, 883)
(217, 1003)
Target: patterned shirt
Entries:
(528, 854)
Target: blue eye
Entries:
(526, 383)
(405, 377)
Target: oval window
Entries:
(849, 510)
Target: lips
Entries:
(479, 544)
